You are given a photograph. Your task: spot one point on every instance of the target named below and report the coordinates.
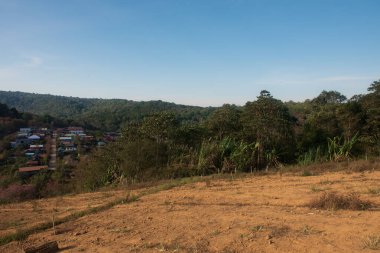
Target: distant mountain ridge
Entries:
(105, 114)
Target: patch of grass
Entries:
(274, 231)
(201, 246)
(335, 201)
(257, 228)
(279, 231)
(14, 224)
(18, 236)
(35, 206)
(242, 236)
(328, 182)
(106, 194)
(325, 166)
(315, 188)
(171, 184)
(308, 230)
(149, 245)
(4, 201)
(374, 191)
(372, 242)
(306, 173)
(215, 232)
(229, 249)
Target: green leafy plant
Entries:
(339, 149)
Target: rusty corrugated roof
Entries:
(34, 168)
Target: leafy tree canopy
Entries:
(329, 97)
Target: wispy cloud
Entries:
(33, 61)
(23, 64)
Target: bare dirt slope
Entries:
(16, 216)
(254, 214)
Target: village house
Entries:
(65, 138)
(22, 134)
(26, 130)
(34, 138)
(101, 144)
(70, 149)
(22, 141)
(75, 130)
(36, 147)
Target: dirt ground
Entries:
(252, 214)
(23, 215)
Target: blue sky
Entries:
(194, 52)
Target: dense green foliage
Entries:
(163, 140)
(264, 133)
(102, 114)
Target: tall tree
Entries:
(225, 121)
(371, 104)
(329, 97)
(267, 122)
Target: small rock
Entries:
(269, 237)
(270, 242)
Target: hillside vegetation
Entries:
(103, 114)
(265, 133)
(162, 140)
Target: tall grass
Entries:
(312, 156)
(339, 149)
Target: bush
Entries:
(335, 201)
(16, 192)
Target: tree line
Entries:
(262, 134)
(97, 114)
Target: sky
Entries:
(195, 52)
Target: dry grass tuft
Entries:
(279, 231)
(374, 191)
(372, 242)
(335, 201)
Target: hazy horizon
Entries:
(203, 53)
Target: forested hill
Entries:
(11, 120)
(105, 114)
